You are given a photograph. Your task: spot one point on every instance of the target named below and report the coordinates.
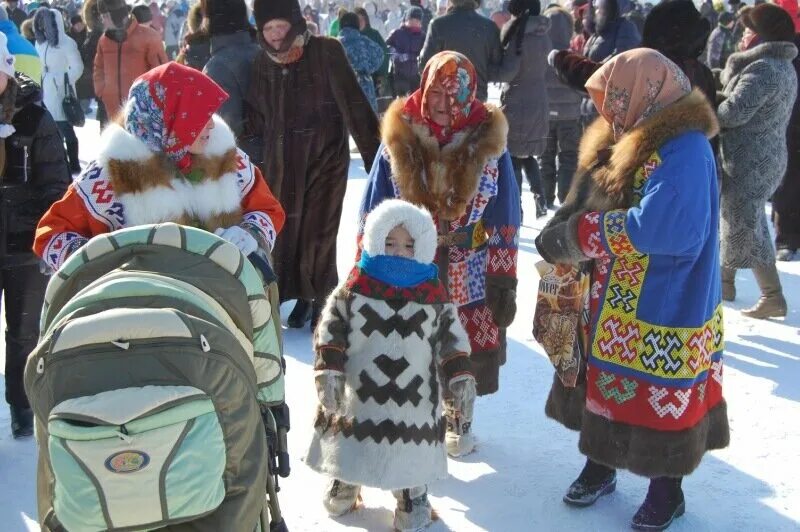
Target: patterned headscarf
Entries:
(635, 85)
(169, 106)
(457, 76)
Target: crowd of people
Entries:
(634, 123)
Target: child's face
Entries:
(399, 243)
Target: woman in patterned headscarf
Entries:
(644, 211)
(446, 151)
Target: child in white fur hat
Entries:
(387, 341)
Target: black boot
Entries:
(21, 422)
(316, 312)
(663, 504)
(300, 314)
(594, 481)
(72, 157)
(541, 207)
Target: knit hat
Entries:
(676, 29)
(414, 13)
(266, 10)
(169, 106)
(6, 59)
(349, 20)
(416, 220)
(225, 16)
(770, 22)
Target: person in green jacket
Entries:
(382, 75)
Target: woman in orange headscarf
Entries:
(645, 211)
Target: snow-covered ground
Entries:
(524, 462)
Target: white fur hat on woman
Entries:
(6, 59)
(416, 220)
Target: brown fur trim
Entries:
(486, 368)
(442, 179)
(128, 177)
(611, 185)
(215, 167)
(653, 453)
(223, 220)
(566, 405)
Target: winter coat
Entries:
(649, 398)
(110, 194)
(720, 46)
(60, 56)
(405, 46)
(376, 37)
(366, 58)
(230, 65)
(389, 431)
(173, 26)
(786, 200)
(463, 30)
(17, 15)
(760, 87)
(26, 59)
(482, 236)
(524, 98)
(564, 103)
(35, 173)
(196, 50)
(118, 64)
(300, 114)
(85, 85)
(618, 36)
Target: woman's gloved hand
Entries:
(558, 243)
(240, 238)
(464, 390)
(501, 298)
(330, 389)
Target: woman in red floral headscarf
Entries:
(170, 160)
(445, 150)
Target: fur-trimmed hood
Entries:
(91, 16)
(48, 27)
(417, 222)
(782, 51)
(443, 179)
(606, 170)
(151, 189)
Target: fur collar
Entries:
(737, 62)
(442, 179)
(152, 191)
(614, 179)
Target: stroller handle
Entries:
(262, 265)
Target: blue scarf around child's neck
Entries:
(397, 271)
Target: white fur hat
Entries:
(6, 59)
(390, 214)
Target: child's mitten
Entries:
(330, 389)
(464, 392)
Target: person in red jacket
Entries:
(169, 159)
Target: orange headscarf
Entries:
(457, 76)
(635, 85)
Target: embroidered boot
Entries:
(664, 503)
(459, 439)
(413, 511)
(341, 498)
(772, 303)
(301, 313)
(594, 481)
(728, 284)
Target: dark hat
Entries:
(726, 18)
(415, 13)
(770, 22)
(349, 20)
(107, 6)
(225, 16)
(142, 14)
(676, 28)
(518, 7)
(266, 10)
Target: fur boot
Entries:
(664, 503)
(341, 498)
(459, 439)
(413, 511)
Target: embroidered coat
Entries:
(390, 344)
(470, 189)
(366, 57)
(760, 90)
(650, 396)
(130, 185)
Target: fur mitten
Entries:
(501, 298)
(464, 391)
(330, 389)
(558, 244)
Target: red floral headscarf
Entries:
(456, 74)
(169, 106)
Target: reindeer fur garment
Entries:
(450, 173)
(152, 190)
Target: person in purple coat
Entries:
(405, 44)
